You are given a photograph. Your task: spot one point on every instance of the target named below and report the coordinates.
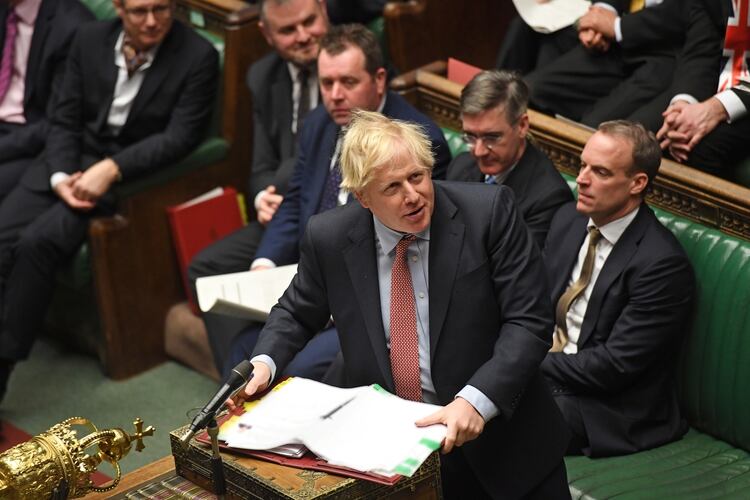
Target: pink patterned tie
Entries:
(6, 65)
(404, 341)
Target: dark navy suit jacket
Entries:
(490, 322)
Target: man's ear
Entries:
(119, 8)
(361, 198)
(265, 31)
(639, 183)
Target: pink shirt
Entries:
(11, 107)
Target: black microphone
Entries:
(237, 379)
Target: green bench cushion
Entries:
(455, 143)
(696, 467)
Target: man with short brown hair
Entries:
(622, 287)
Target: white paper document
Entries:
(249, 294)
(551, 15)
(366, 428)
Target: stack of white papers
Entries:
(249, 294)
(548, 16)
(366, 428)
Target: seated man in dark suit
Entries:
(352, 76)
(39, 32)
(710, 130)
(623, 288)
(438, 294)
(625, 59)
(284, 87)
(495, 124)
(137, 96)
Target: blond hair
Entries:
(373, 141)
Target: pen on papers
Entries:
(330, 413)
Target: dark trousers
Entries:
(231, 254)
(723, 148)
(11, 169)
(311, 362)
(38, 233)
(524, 49)
(595, 87)
(459, 481)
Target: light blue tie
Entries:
(490, 179)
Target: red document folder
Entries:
(461, 72)
(199, 222)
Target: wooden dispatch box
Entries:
(248, 477)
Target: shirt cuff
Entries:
(618, 29)
(57, 178)
(479, 401)
(256, 200)
(262, 262)
(264, 358)
(732, 104)
(684, 97)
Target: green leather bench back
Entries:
(714, 369)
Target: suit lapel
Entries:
(446, 241)
(107, 74)
(158, 71)
(42, 28)
(619, 257)
(567, 255)
(361, 263)
(321, 165)
(281, 94)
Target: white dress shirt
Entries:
(611, 233)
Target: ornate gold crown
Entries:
(56, 462)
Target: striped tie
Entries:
(6, 65)
(574, 290)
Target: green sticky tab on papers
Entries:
(429, 443)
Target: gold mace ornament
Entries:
(37, 468)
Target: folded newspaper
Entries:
(365, 428)
(249, 294)
(548, 16)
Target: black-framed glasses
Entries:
(139, 14)
(489, 140)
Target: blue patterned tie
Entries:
(490, 179)
(330, 196)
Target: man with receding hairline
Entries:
(284, 88)
(496, 125)
(622, 287)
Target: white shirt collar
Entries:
(613, 231)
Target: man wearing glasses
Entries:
(495, 124)
(137, 95)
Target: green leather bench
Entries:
(713, 378)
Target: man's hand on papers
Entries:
(258, 383)
(463, 420)
(686, 124)
(268, 203)
(64, 190)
